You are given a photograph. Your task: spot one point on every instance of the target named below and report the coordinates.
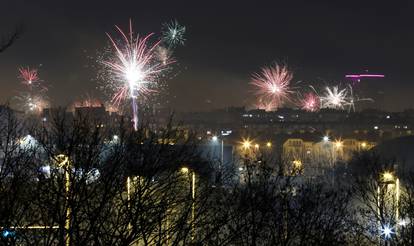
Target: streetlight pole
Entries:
(222, 152)
(63, 161)
(186, 170)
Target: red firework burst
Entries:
(28, 76)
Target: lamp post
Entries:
(215, 139)
(388, 180)
(186, 170)
(63, 162)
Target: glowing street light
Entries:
(246, 144)
(387, 176)
(387, 231)
(184, 170)
(256, 146)
(339, 144)
(363, 145)
(402, 222)
(325, 138)
(269, 144)
(214, 138)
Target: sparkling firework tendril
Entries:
(351, 99)
(310, 102)
(273, 85)
(135, 67)
(173, 33)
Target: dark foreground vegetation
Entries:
(73, 182)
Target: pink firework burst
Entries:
(310, 102)
(135, 68)
(273, 84)
(28, 76)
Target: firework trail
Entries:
(273, 85)
(310, 102)
(173, 33)
(351, 99)
(135, 68)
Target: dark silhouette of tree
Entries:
(9, 39)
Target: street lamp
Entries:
(63, 162)
(186, 170)
(269, 144)
(388, 180)
(215, 139)
(387, 231)
(363, 145)
(338, 144)
(246, 144)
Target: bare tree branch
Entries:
(8, 40)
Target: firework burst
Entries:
(30, 77)
(310, 102)
(173, 33)
(134, 68)
(273, 84)
(334, 97)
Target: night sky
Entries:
(227, 41)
